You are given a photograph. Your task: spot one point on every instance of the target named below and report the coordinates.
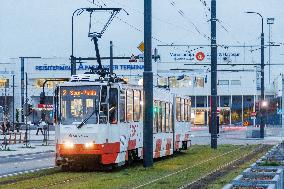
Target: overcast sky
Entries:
(43, 27)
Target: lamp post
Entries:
(270, 21)
(73, 60)
(262, 123)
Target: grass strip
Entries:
(136, 175)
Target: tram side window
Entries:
(178, 109)
(171, 117)
(129, 105)
(167, 111)
(104, 94)
(189, 110)
(104, 106)
(142, 104)
(122, 106)
(137, 109)
(182, 110)
(156, 117)
(160, 118)
(163, 117)
(56, 105)
(113, 104)
(185, 110)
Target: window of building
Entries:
(162, 82)
(129, 105)
(137, 107)
(235, 82)
(186, 82)
(199, 82)
(223, 82)
(50, 84)
(4, 83)
(173, 82)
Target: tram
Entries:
(100, 121)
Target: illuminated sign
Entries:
(87, 67)
(79, 92)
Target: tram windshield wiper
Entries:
(86, 119)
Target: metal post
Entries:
(111, 57)
(148, 87)
(213, 76)
(282, 104)
(269, 53)
(262, 124)
(73, 61)
(13, 102)
(270, 21)
(26, 117)
(262, 121)
(22, 87)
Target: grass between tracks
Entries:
(136, 175)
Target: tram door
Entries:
(109, 105)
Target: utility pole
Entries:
(111, 57)
(270, 21)
(148, 87)
(262, 121)
(213, 76)
(26, 117)
(13, 102)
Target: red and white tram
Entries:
(101, 121)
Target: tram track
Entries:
(192, 184)
(223, 170)
(74, 178)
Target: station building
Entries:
(238, 87)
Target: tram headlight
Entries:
(69, 145)
(89, 145)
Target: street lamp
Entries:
(264, 104)
(262, 72)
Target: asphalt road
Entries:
(19, 164)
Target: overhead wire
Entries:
(183, 15)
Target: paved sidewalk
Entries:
(35, 145)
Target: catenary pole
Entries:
(148, 87)
(111, 57)
(213, 76)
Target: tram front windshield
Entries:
(79, 103)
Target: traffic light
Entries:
(27, 109)
(42, 98)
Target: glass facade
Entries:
(233, 110)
